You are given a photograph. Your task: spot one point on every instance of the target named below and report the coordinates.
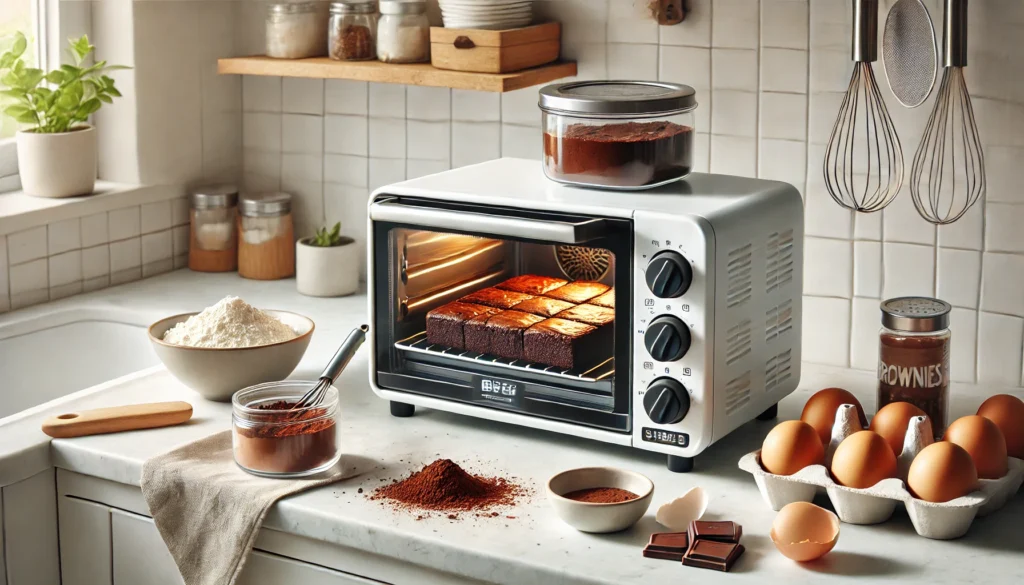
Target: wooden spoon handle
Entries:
(117, 418)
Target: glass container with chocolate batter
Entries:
(913, 356)
(626, 135)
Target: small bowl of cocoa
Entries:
(600, 499)
(270, 438)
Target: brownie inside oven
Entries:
(505, 333)
(446, 324)
(543, 306)
(495, 297)
(589, 314)
(577, 292)
(532, 284)
(566, 344)
(607, 300)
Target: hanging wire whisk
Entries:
(947, 176)
(864, 159)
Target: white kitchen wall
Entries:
(769, 74)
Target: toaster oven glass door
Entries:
(507, 349)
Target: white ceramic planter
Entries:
(57, 165)
(326, 272)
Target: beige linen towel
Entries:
(208, 510)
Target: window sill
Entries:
(19, 211)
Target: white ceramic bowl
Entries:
(216, 374)
(589, 517)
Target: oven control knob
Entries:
(667, 338)
(666, 401)
(669, 275)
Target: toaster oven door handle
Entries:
(484, 224)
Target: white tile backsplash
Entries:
(387, 100)
(867, 269)
(5, 289)
(828, 267)
(826, 334)
(1002, 345)
(155, 216)
(734, 69)
(65, 268)
(125, 254)
(475, 142)
(342, 96)
(784, 23)
(261, 94)
(909, 270)
(95, 261)
(124, 223)
(428, 140)
(431, 104)
(26, 245)
(1002, 283)
(735, 24)
(302, 133)
(64, 235)
(387, 137)
(784, 70)
(959, 277)
(632, 61)
(736, 114)
(94, 230)
(346, 134)
(475, 106)
(28, 277)
(1003, 225)
(302, 96)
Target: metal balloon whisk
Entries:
(864, 159)
(947, 176)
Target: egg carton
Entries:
(877, 504)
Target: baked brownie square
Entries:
(577, 292)
(532, 284)
(589, 314)
(475, 332)
(445, 324)
(495, 297)
(505, 333)
(606, 300)
(567, 344)
(543, 306)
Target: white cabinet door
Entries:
(30, 531)
(85, 554)
(141, 558)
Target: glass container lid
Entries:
(915, 314)
(611, 98)
(354, 7)
(214, 196)
(265, 204)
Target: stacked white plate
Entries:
(489, 14)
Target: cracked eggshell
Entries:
(804, 532)
(677, 514)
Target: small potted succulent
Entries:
(327, 265)
(57, 152)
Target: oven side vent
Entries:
(778, 370)
(737, 393)
(778, 321)
(779, 264)
(737, 342)
(739, 272)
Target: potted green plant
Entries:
(57, 152)
(327, 264)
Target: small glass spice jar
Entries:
(403, 32)
(294, 31)
(352, 31)
(272, 440)
(913, 356)
(213, 241)
(266, 236)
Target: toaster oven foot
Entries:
(402, 410)
(677, 464)
(770, 414)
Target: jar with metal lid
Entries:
(913, 356)
(352, 31)
(403, 33)
(295, 31)
(626, 135)
(213, 241)
(266, 236)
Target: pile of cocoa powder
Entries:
(443, 486)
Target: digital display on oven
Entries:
(497, 391)
(665, 437)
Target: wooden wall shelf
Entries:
(412, 74)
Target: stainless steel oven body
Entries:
(707, 274)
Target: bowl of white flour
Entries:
(230, 345)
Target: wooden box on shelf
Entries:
(494, 51)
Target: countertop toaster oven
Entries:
(661, 319)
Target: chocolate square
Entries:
(723, 531)
(505, 333)
(543, 306)
(589, 314)
(475, 333)
(495, 297)
(567, 344)
(607, 300)
(446, 324)
(670, 546)
(532, 284)
(577, 292)
(710, 554)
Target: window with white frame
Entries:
(24, 16)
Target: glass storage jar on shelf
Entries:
(626, 135)
(913, 356)
(295, 31)
(403, 32)
(213, 241)
(352, 31)
(266, 236)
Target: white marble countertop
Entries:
(533, 547)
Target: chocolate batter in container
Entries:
(626, 135)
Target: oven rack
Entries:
(418, 344)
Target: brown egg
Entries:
(820, 411)
(791, 446)
(804, 532)
(983, 440)
(892, 421)
(1008, 414)
(862, 460)
(942, 472)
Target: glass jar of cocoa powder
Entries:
(913, 356)
(271, 439)
(626, 135)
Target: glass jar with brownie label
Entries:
(913, 356)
